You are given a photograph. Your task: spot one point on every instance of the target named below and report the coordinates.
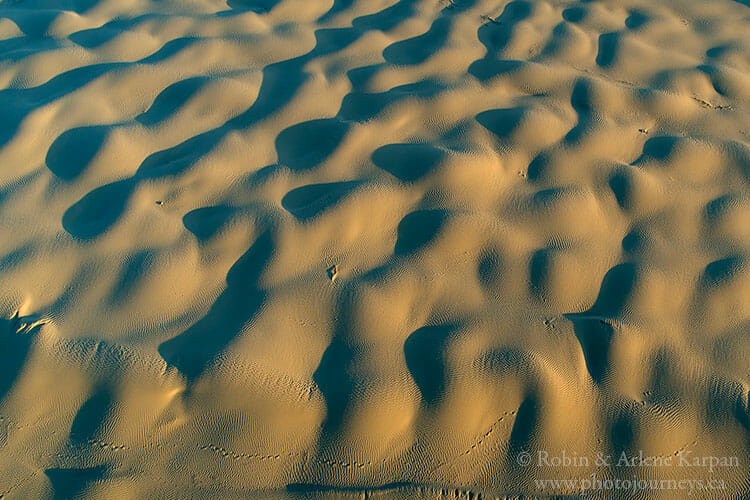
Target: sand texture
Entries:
(290, 249)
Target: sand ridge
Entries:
(536, 212)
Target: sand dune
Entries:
(373, 248)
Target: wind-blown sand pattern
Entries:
(371, 248)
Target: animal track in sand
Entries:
(240, 456)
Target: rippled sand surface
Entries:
(293, 249)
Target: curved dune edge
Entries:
(380, 249)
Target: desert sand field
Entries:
(384, 249)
